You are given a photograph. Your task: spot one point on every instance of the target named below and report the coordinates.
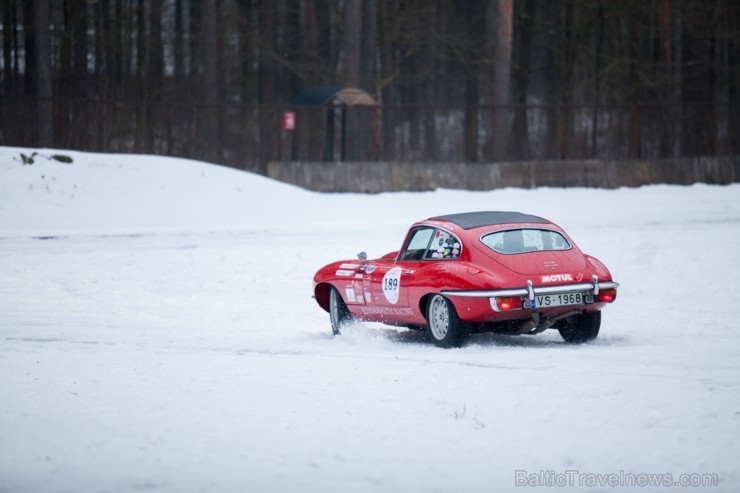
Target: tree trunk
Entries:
(154, 72)
(64, 69)
(62, 107)
(30, 37)
(143, 131)
(388, 91)
(178, 68)
(501, 75)
(476, 28)
(309, 28)
(8, 28)
(732, 47)
(520, 135)
(211, 132)
(677, 83)
(98, 48)
(665, 71)
(80, 45)
(156, 46)
(430, 149)
(470, 149)
(42, 68)
(635, 116)
(196, 37)
(369, 46)
(250, 49)
(367, 138)
(352, 43)
(594, 154)
(567, 47)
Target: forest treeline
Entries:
(473, 80)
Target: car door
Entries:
(423, 258)
(384, 280)
(387, 282)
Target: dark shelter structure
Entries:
(337, 100)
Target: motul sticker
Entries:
(345, 273)
(557, 278)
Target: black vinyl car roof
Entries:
(470, 220)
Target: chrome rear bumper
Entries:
(530, 291)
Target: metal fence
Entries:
(249, 137)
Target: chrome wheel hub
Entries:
(439, 318)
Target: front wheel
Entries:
(338, 312)
(444, 327)
(580, 328)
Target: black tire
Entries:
(444, 328)
(339, 314)
(580, 328)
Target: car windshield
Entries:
(525, 240)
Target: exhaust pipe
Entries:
(537, 324)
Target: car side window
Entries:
(417, 244)
(444, 246)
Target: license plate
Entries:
(548, 300)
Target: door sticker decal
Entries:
(392, 284)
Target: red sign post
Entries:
(289, 120)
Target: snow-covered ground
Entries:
(157, 332)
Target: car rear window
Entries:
(514, 241)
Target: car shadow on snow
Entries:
(545, 340)
(364, 332)
(538, 341)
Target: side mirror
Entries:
(362, 257)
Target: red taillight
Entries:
(509, 303)
(607, 295)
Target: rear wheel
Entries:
(444, 327)
(338, 312)
(580, 328)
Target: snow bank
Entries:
(163, 337)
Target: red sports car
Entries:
(504, 272)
